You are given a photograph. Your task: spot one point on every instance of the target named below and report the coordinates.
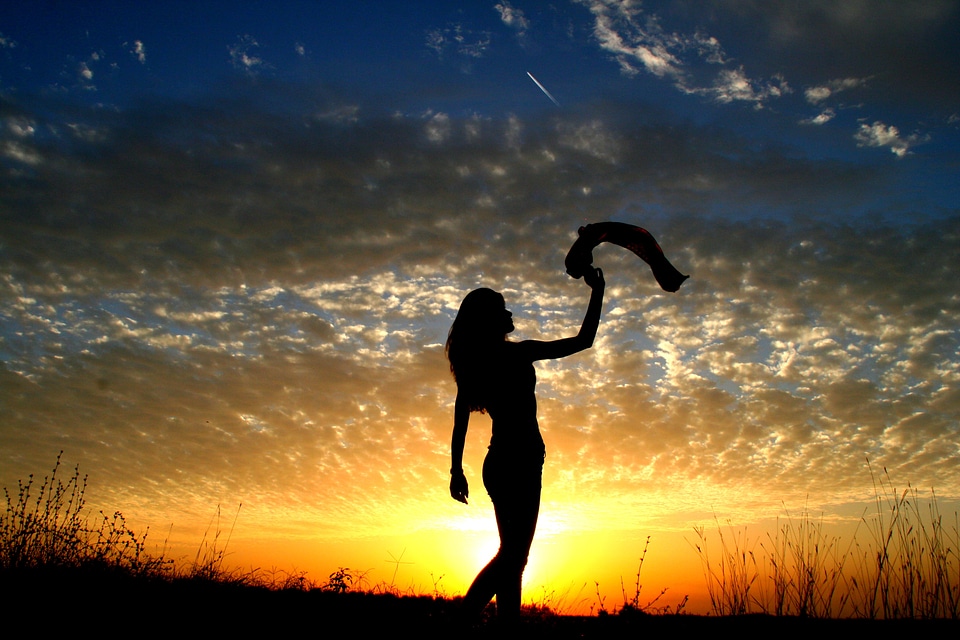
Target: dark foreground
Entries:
(66, 601)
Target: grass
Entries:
(901, 563)
(910, 567)
(45, 528)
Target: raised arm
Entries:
(591, 321)
(588, 330)
(458, 482)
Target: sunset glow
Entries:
(233, 238)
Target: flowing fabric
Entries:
(628, 236)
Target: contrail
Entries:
(544, 89)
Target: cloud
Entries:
(139, 51)
(823, 117)
(816, 95)
(742, 379)
(21, 127)
(512, 17)
(7, 43)
(248, 305)
(851, 41)
(340, 114)
(733, 85)
(21, 153)
(437, 127)
(632, 36)
(592, 138)
(408, 169)
(242, 56)
(466, 43)
(617, 30)
(880, 135)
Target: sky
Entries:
(233, 237)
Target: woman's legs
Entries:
(517, 523)
(516, 501)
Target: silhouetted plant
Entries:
(632, 604)
(805, 570)
(208, 563)
(908, 566)
(729, 582)
(438, 591)
(49, 530)
(45, 529)
(600, 606)
(340, 581)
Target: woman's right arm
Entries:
(588, 330)
(458, 482)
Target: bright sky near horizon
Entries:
(233, 236)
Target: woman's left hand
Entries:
(459, 490)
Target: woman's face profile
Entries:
(507, 321)
(501, 317)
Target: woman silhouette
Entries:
(496, 376)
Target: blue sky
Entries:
(233, 236)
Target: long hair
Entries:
(476, 331)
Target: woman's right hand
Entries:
(459, 490)
(594, 278)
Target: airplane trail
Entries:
(544, 89)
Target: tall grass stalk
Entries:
(901, 562)
(208, 563)
(805, 567)
(910, 567)
(729, 581)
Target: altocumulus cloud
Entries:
(238, 302)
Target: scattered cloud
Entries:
(638, 43)
(437, 127)
(285, 303)
(242, 55)
(85, 71)
(462, 41)
(21, 127)
(592, 138)
(618, 31)
(823, 117)
(733, 85)
(513, 18)
(139, 51)
(436, 40)
(709, 49)
(343, 114)
(21, 153)
(880, 135)
(816, 95)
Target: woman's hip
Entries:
(512, 474)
